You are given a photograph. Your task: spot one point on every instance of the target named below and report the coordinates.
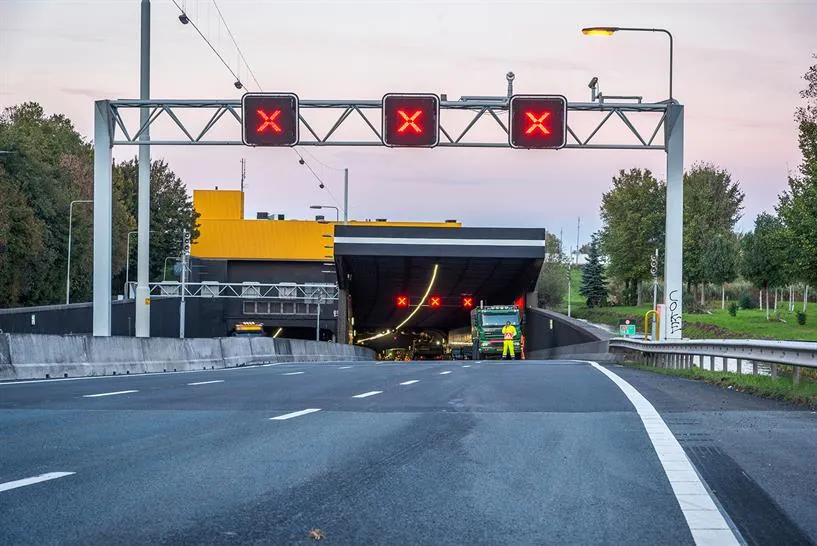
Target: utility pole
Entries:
(142, 303)
(578, 230)
(243, 173)
(182, 304)
(318, 321)
(569, 285)
(345, 195)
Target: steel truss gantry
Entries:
(369, 112)
(112, 128)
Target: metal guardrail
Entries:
(688, 352)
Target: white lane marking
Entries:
(366, 394)
(412, 382)
(294, 414)
(705, 521)
(293, 373)
(206, 382)
(32, 480)
(466, 365)
(445, 373)
(344, 367)
(107, 394)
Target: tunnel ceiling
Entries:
(376, 264)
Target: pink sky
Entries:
(738, 70)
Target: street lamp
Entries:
(609, 31)
(337, 210)
(68, 268)
(127, 261)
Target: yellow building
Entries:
(226, 235)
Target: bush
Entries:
(746, 301)
(733, 309)
(801, 318)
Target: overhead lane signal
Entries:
(435, 301)
(538, 121)
(269, 119)
(468, 302)
(402, 301)
(411, 120)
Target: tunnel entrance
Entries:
(409, 291)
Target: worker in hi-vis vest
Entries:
(508, 332)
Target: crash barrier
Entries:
(552, 335)
(743, 356)
(38, 356)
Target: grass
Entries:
(782, 388)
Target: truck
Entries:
(486, 330)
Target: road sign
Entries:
(538, 121)
(269, 119)
(435, 301)
(626, 327)
(468, 302)
(411, 120)
(402, 301)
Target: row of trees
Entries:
(780, 251)
(45, 166)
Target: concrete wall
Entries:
(36, 356)
(553, 335)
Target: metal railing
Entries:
(746, 354)
(308, 292)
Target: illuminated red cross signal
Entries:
(468, 302)
(269, 119)
(537, 121)
(410, 121)
(402, 301)
(435, 301)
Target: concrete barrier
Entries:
(35, 356)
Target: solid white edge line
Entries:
(294, 414)
(106, 394)
(410, 382)
(206, 382)
(292, 373)
(367, 394)
(705, 521)
(32, 480)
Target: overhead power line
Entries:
(235, 43)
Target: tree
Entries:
(797, 206)
(712, 207)
(551, 285)
(593, 284)
(171, 212)
(633, 216)
(764, 253)
(721, 260)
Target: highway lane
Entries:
(492, 453)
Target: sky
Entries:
(738, 68)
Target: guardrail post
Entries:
(773, 366)
(725, 365)
(740, 364)
(754, 367)
(795, 374)
(711, 363)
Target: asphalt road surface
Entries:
(413, 453)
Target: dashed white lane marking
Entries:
(32, 480)
(445, 373)
(107, 394)
(294, 414)
(206, 382)
(412, 382)
(705, 521)
(344, 367)
(366, 394)
(293, 373)
(466, 365)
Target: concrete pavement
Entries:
(387, 453)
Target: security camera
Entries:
(593, 82)
(183, 18)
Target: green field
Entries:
(749, 323)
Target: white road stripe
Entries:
(445, 373)
(34, 479)
(107, 394)
(293, 373)
(412, 382)
(366, 394)
(705, 521)
(466, 365)
(207, 382)
(344, 367)
(294, 414)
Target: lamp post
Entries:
(609, 31)
(337, 211)
(674, 233)
(127, 260)
(68, 268)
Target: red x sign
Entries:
(410, 121)
(268, 121)
(402, 301)
(468, 302)
(435, 301)
(537, 122)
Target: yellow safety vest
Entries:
(509, 332)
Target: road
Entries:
(403, 453)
